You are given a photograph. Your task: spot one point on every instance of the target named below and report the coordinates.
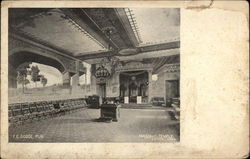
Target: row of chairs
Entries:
(30, 111)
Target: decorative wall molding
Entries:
(170, 68)
(133, 66)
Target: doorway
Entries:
(172, 90)
(102, 92)
(133, 85)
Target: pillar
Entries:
(85, 78)
(66, 79)
(75, 84)
(75, 80)
(93, 84)
(118, 84)
(12, 80)
(149, 85)
(12, 77)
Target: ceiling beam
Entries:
(126, 24)
(96, 55)
(80, 17)
(158, 47)
(120, 21)
(141, 49)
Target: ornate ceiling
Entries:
(90, 34)
(155, 25)
(55, 28)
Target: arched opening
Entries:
(53, 76)
(17, 59)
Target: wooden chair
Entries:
(69, 105)
(52, 110)
(56, 107)
(62, 107)
(25, 111)
(17, 113)
(83, 103)
(10, 113)
(74, 105)
(79, 103)
(47, 112)
(33, 111)
(40, 110)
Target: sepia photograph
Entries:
(134, 79)
(94, 75)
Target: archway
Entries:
(16, 59)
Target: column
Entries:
(12, 77)
(66, 79)
(85, 78)
(12, 80)
(93, 84)
(118, 83)
(75, 80)
(149, 85)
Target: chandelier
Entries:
(102, 72)
(106, 67)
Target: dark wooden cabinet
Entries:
(109, 111)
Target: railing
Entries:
(30, 111)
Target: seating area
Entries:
(30, 111)
(158, 101)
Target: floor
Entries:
(134, 125)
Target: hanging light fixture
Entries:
(102, 72)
